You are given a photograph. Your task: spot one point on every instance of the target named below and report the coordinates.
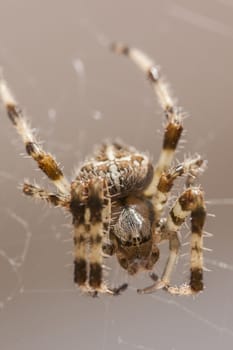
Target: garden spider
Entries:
(118, 198)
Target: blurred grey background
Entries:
(77, 93)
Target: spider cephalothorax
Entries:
(118, 198)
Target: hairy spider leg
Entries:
(190, 202)
(173, 127)
(78, 208)
(56, 199)
(44, 160)
(94, 219)
(191, 167)
(87, 207)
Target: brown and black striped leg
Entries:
(81, 233)
(95, 209)
(88, 206)
(191, 168)
(44, 160)
(173, 128)
(98, 215)
(55, 199)
(191, 202)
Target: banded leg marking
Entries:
(44, 160)
(190, 167)
(87, 206)
(173, 128)
(99, 205)
(191, 202)
(55, 199)
(77, 208)
(95, 207)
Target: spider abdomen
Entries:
(126, 170)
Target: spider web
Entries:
(38, 300)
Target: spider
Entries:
(118, 198)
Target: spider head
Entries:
(133, 233)
(135, 259)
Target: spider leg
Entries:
(99, 205)
(44, 160)
(88, 204)
(95, 207)
(191, 202)
(78, 208)
(191, 167)
(173, 128)
(55, 199)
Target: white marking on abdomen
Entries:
(115, 175)
(110, 152)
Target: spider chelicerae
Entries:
(118, 198)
